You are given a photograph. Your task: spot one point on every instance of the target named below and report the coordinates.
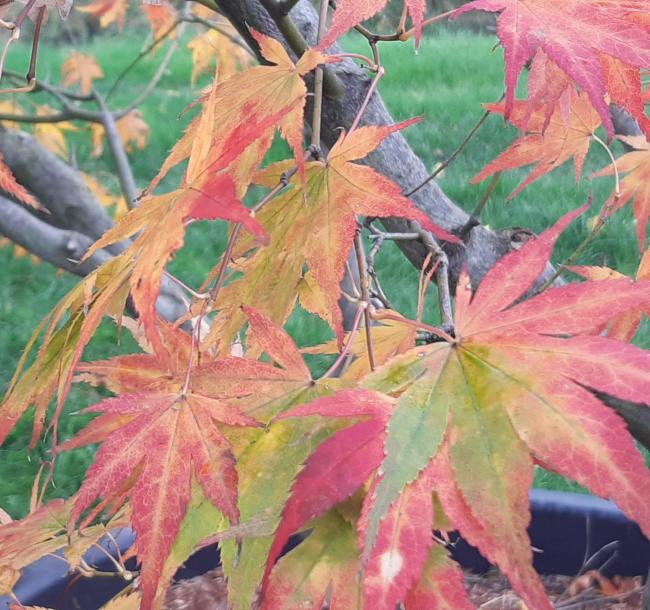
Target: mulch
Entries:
(490, 591)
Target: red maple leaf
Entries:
(352, 12)
(165, 428)
(10, 185)
(579, 36)
(549, 141)
(471, 417)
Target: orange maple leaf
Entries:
(107, 11)
(80, 68)
(314, 226)
(246, 108)
(622, 327)
(12, 187)
(547, 147)
(171, 436)
(161, 17)
(635, 186)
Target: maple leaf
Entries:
(12, 187)
(212, 46)
(171, 437)
(547, 147)
(108, 11)
(68, 328)
(116, 204)
(246, 108)
(477, 411)
(80, 68)
(162, 17)
(635, 186)
(576, 35)
(314, 226)
(43, 532)
(349, 13)
(622, 327)
(321, 569)
(162, 430)
(389, 338)
(132, 129)
(52, 135)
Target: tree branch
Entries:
(60, 247)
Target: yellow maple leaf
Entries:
(132, 129)
(80, 68)
(105, 197)
(214, 46)
(10, 107)
(52, 135)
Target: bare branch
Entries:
(122, 165)
(60, 247)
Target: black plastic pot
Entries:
(566, 528)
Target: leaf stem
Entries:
(363, 306)
(617, 192)
(365, 295)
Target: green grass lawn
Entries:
(445, 83)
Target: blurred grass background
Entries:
(446, 83)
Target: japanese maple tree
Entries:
(218, 431)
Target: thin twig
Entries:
(363, 306)
(369, 94)
(474, 219)
(31, 73)
(365, 296)
(617, 192)
(442, 275)
(454, 154)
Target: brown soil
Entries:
(489, 591)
